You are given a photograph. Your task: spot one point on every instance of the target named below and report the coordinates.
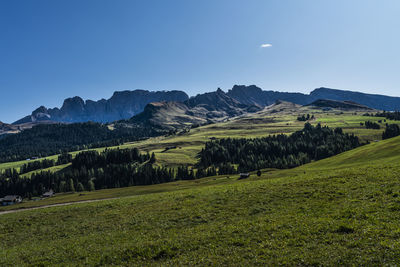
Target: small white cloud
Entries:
(266, 45)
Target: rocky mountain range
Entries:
(124, 105)
(201, 109)
(219, 106)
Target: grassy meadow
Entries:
(280, 119)
(339, 211)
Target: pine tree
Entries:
(63, 186)
(153, 158)
(80, 187)
(70, 186)
(91, 186)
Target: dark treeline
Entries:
(386, 114)
(277, 151)
(45, 140)
(372, 125)
(93, 159)
(90, 170)
(392, 130)
(36, 165)
(63, 158)
(305, 117)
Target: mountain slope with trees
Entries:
(277, 151)
(49, 139)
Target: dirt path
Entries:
(54, 205)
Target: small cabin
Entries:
(49, 193)
(244, 175)
(11, 200)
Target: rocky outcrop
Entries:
(4, 128)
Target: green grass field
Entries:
(339, 211)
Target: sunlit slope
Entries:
(382, 152)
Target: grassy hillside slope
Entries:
(276, 119)
(338, 211)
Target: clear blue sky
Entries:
(50, 50)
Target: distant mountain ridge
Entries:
(125, 104)
(255, 95)
(381, 102)
(122, 105)
(347, 105)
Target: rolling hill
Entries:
(168, 115)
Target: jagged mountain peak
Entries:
(41, 109)
(214, 100)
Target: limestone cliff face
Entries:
(122, 105)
